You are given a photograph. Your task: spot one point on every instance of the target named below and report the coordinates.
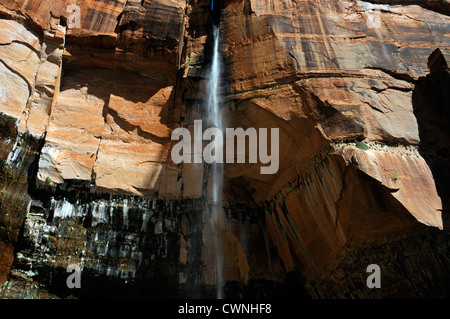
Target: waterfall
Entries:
(216, 170)
(214, 114)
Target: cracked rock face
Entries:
(358, 91)
(323, 63)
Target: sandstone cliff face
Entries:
(358, 90)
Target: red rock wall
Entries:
(363, 136)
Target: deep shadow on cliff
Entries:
(431, 101)
(413, 260)
(171, 257)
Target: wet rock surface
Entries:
(86, 176)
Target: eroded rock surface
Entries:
(358, 90)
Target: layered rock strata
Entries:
(358, 90)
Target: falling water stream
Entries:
(216, 170)
(214, 114)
